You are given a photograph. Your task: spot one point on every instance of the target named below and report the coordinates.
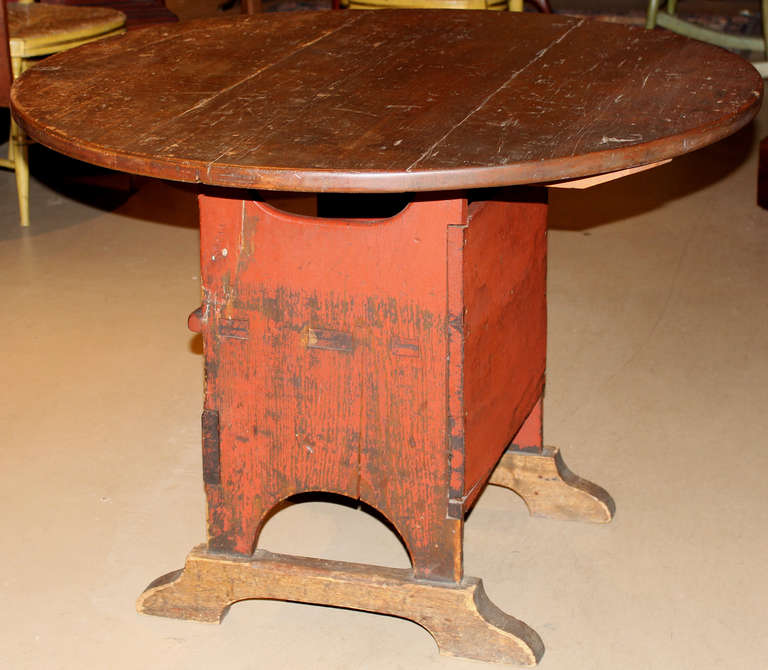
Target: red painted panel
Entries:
(404, 455)
(504, 272)
(530, 437)
(387, 360)
(325, 347)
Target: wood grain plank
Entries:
(325, 349)
(505, 266)
(387, 100)
(628, 97)
(396, 98)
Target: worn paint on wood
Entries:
(531, 434)
(325, 345)
(497, 332)
(391, 361)
(504, 274)
(386, 100)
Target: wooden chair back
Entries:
(6, 76)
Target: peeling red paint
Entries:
(353, 357)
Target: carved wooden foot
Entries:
(460, 617)
(550, 489)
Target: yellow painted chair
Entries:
(31, 30)
(511, 5)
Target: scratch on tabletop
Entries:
(291, 54)
(539, 55)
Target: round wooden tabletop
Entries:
(385, 101)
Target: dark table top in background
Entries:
(385, 101)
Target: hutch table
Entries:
(396, 358)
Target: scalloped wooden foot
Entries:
(460, 617)
(550, 489)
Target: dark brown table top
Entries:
(385, 101)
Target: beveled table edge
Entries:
(338, 181)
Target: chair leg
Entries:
(18, 154)
(10, 142)
(653, 11)
(21, 167)
(17, 67)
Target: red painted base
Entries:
(389, 360)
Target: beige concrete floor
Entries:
(657, 389)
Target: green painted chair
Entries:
(667, 18)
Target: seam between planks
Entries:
(206, 101)
(536, 58)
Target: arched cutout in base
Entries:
(316, 523)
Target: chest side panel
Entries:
(504, 275)
(325, 358)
